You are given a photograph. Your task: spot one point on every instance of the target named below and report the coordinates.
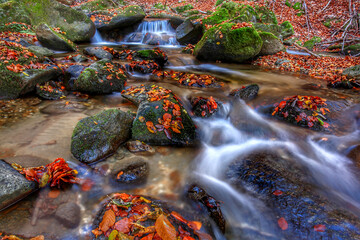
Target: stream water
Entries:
(46, 136)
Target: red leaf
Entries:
(282, 104)
(164, 228)
(277, 192)
(320, 228)
(123, 225)
(107, 221)
(283, 223)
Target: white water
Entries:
(159, 32)
(98, 39)
(328, 167)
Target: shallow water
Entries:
(45, 136)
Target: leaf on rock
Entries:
(320, 228)
(113, 235)
(123, 225)
(283, 223)
(164, 228)
(108, 220)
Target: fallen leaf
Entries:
(320, 228)
(164, 228)
(283, 223)
(108, 221)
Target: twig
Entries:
(306, 50)
(307, 16)
(324, 7)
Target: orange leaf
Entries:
(164, 228)
(108, 221)
(320, 228)
(283, 223)
(54, 193)
(123, 225)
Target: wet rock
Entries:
(98, 52)
(69, 214)
(189, 33)
(50, 90)
(207, 202)
(72, 73)
(126, 17)
(247, 93)
(354, 155)
(207, 107)
(156, 55)
(140, 148)
(79, 58)
(232, 45)
(160, 119)
(285, 188)
(352, 72)
(101, 77)
(134, 172)
(144, 67)
(62, 108)
(14, 186)
(153, 39)
(271, 44)
(53, 40)
(97, 137)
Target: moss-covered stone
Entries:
(310, 44)
(53, 40)
(97, 5)
(271, 44)
(156, 55)
(218, 2)
(352, 72)
(230, 45)
(101, 77)
(97, 137)
(265, 15)
(281, 31)
(77, 25)
(181, 9)
(287, 30)
(217, 17)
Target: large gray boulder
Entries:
(271, 44)
(99, 136)
(189, 33)
(14, 186)
(53, 40)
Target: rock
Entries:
(101, 77)
(135, 172)
(50, 90)
(183, 8)
(140, 148)
(95, 5)
(72, 73)
(352, 49)
(14, 186)
(188, 33)
(174, 20)
(156, 55)
(41, 51)
(354, 155)
(53, 40)
(161, 118)
(77, 25)
(144, 67)
(204, 201)
(96, 137)
(14, 83)
(281, 31)
(247, 93)
(207, 107)
(352, 72)
(153, 39)
(63, 108)
(236, 45)
(98, 52)
(66, 2)
(283, 185)
(126, 17)
(271, 44)
(310, 44)
(79, 58)
(69, 214)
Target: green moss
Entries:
(265, 15)
(218, 2)
(311, 43)
(327, 23)
(217, 17)
(133, 10)
(183, 8)
(17, 27)
(287, 30)
(97, 5)
(355, 47)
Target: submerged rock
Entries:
(101, 77)
(99, 136)
(140, 148)
(285, 189)
(247, 93)
(98, 52)
(69, 214)
(50, 90)
(226, 42)
(207, 107)
(14, 186)
(133, 172)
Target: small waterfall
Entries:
(159, 32)
(97, 39)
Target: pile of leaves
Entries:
(143, 66)
(195, 80)
(50, 90)
(304, 111)
(189, 49)
(135, 217)
(326, 68)
(241, 25)
(204, 107)
(16, 27)
(13, 237)
(55, 174)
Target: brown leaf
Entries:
(123, 225)
(108, 220)
(164, 228)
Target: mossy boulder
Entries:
(352, 49)
(155, 55)
(98, 52)
(183, 8)
(217, 17)
(281, 31)
(53, 40)
(121, 19)
(101, 77)
(271, 44)
(96, 5)
(15, 79)
(265, 15)
(99, 136)
(310, 44)
(189, 33)
(229, 45)
(161, 118)
(41, 51)
(77, 25)
(352, 72)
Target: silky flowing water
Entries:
(47, 135)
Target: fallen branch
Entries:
(324, 7)
(306, 50)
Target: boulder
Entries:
(281, 31)
(139, 148)
(99, 136)
(284, 187)
(50, 90)
(14, 186)
(188, 33)
(223, 43)
(156, 55)
(126, 17)
(77, 25)
(98, 52)
(207, 107)
(95, 5)
(53, 40)
(41, 51)
(101, 77)
(271, 44)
